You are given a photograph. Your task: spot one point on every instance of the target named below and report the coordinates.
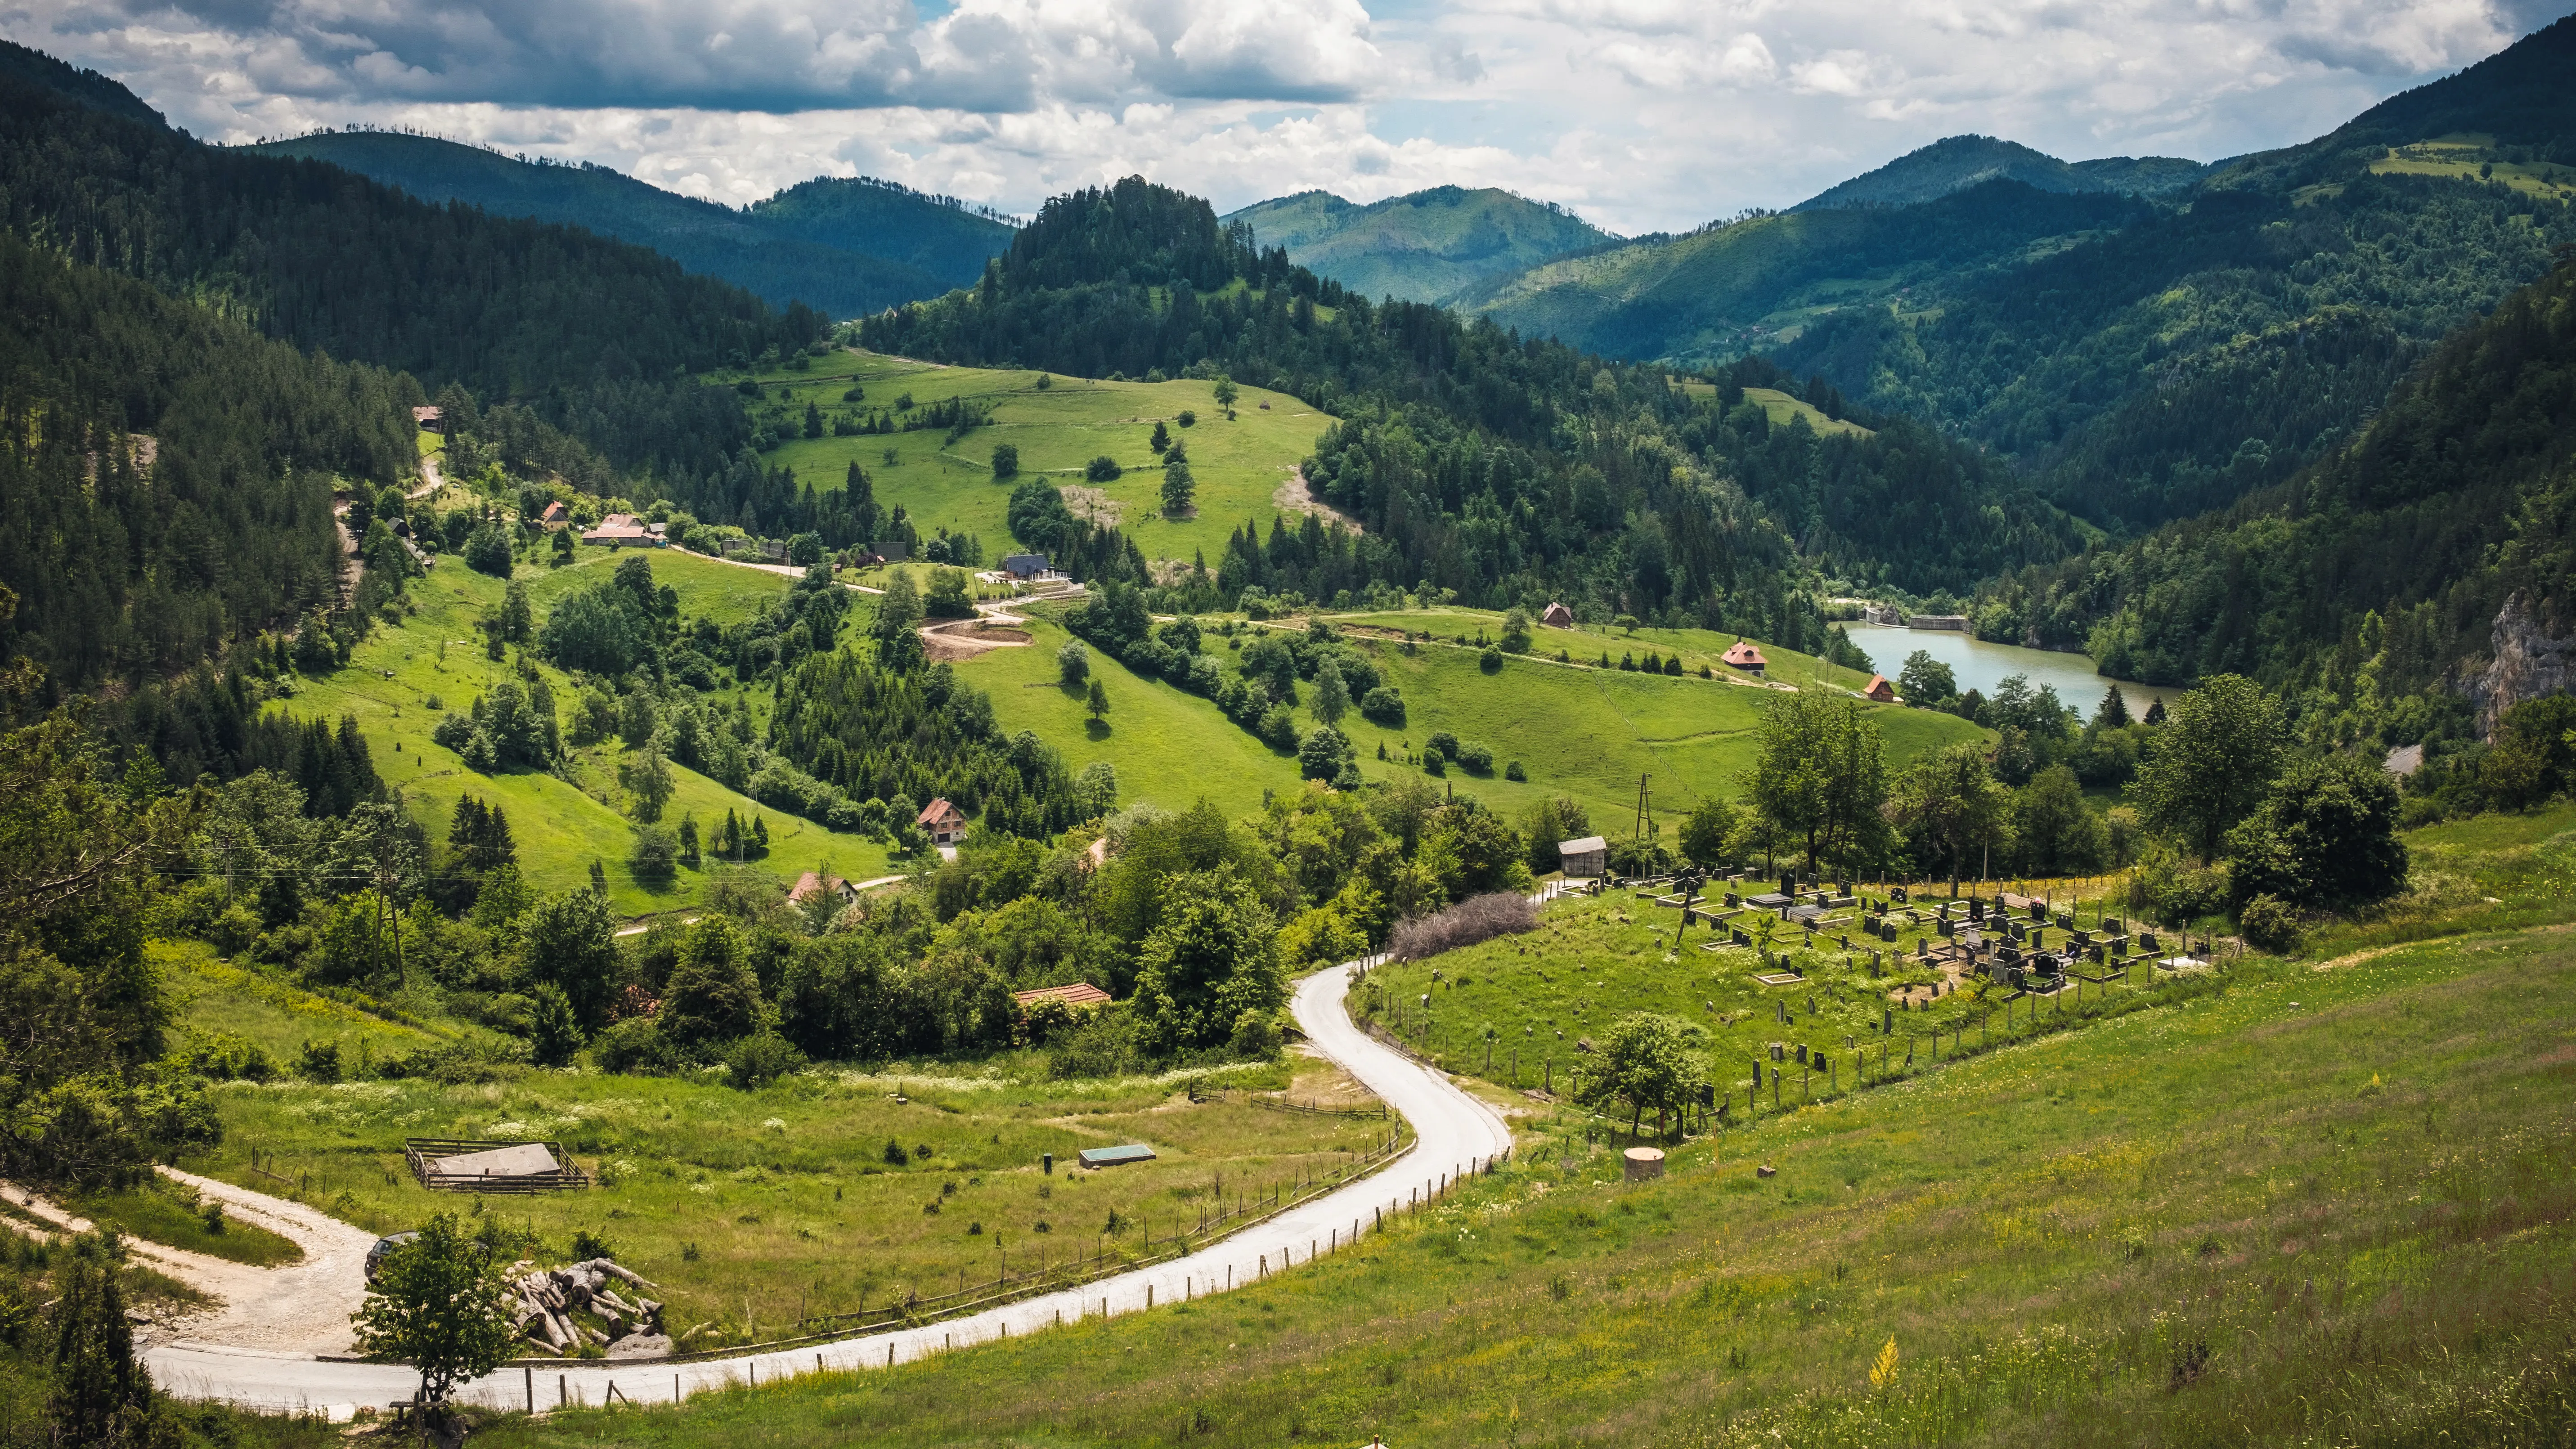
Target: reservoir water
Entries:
(1981, 666)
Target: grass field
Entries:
(1170, 748)
(560, 823)
(1541, 997)
(1589, 733)
(2329, 1205)
(2468, 158)
(752, 1209)
(159, 1212)
(1780, 407)
(1240, 465)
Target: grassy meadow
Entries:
(2330, 1204)
(1543, 995)
(749, 1208)
(1240, 465)
(560, 823)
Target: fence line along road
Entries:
(1454, 1134)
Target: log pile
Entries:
(548, 1298)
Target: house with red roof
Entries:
(1880, 690)
(943, 822)
(1747, 658)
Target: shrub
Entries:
(1477, 918)
(587, 1245)
(1006, 460)
(756, 1061)
(1073, 662)
(487, 551)
(1103, 469)
(2269, 924)
(1383, 706)
(1491, 661)
(1513, 771)
(636, 1045)
(319, 1062)
(1256, 1035)
(1442, 742)
(1477, 757)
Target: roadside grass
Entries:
(2316, 1208)
(1170, 748)
(265, 1007)
(753, 1209)
(1239, 465)
(561, 824)
(159, 1211)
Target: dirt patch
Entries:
(1295, 497)
(1091, 505)
(1321, 1083)
(966, 638)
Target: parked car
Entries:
(384, 1248)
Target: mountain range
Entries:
(1428, 246)
(844, 246)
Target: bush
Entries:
(1073, 662)
(636, 1045)
(1513, 771)
(1442, 742)
(756, 1061)
(1256, 1035)
(319, 1062)
(1383, 706)
(1103, 469)
(1478, 758)
(1104, 1045)
(1006, 460)
(2269, 923)
(1491, 661)
(1477, 918)
(487, 551)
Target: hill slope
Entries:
(1423, 247)
(1956, 163)
(1728, 289)
(844, 248)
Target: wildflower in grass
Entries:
(1882, 1372)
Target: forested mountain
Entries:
(1743, 285)
(2360, 586)
(2213, 348)
(1423, 247)
(842, 247)
(1956, 163)
(1511, 469)
(595, 334)
(166, 476)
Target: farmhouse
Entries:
(810, 885)
(1747, 658)
(944, 822)
(1880, 690)
(554, 516)
(1588, 856)
(1024, 565)
(620, 529)
(1557, 617)
(429, 420)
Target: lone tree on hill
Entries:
(1646, 1061)
(1096, 699)
(437, 1304)
(2212, 763)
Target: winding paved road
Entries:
(1453, 1131)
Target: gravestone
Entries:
(1802, 1056)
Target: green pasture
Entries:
(2331, 1204)
(561, 823)
(751, 1209)
(1589, 733)
(1780, 407)
(1240, 465)
(1171, 748)
(162, 1211)
(1586, 643)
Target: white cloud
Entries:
(1639, 113)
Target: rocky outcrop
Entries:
(2525, 664)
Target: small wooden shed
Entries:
(1557, 617)
(1589, 856)
(1880, 690)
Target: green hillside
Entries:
(562, 822)
(1242, 464)
(1956, 163)
(1426, 246)
(891, 247)
(1745, 285)
(2316, 1201)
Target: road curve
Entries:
(1453, 1132)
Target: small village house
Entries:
(1747, 658)
(1880, 690)
(1557, 617)
(619, 530)
(1024, 565)
(810, 885)
(943, 822)
(429, 420)
(554, 516)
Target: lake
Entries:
(1981, 666)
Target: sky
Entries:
(1641, 115)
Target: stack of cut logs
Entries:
(549, 1297)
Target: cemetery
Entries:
(1794, 989)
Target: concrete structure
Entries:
(1557, 617)
(942, 821)
(1955, 622)
(1747, 658)
(1643, 1163)
(1588, 856)
(1881, 614)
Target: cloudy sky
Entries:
(1640, 114)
